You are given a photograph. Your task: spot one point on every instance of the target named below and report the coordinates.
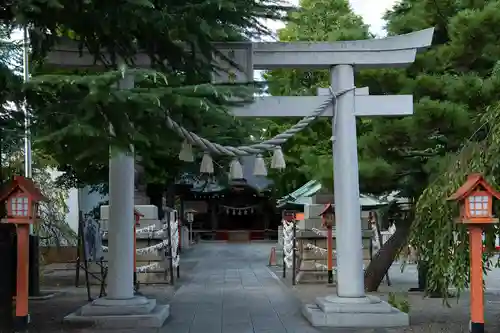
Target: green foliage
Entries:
(323, 20)
(448, 251)
(81, 147)
(400, 302)
(457, 88)
(11, 117)
(71, 114)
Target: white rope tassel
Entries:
(186, 153)
(260, 166)
(288, 243)
(278, 160)
(235, 169)
(207, 164)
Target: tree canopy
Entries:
(72, 110)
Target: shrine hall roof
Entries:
(302, 195)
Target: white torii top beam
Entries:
(386, 52)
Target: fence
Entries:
(234, 235)
(305, 252)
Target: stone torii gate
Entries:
(122, 308)
(350, 307)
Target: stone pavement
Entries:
(227, 288)
(232, 291)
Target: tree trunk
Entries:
(380, 264)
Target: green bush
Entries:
(400, 302)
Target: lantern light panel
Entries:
(479, 205)
(19, 206)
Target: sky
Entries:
(371, 11)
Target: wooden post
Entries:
(329, 242)
(21, 321)
(476, 279)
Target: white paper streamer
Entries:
(320, 232)
(152, 248)
(147, 268)
(149, 229)
(174, 236)
(321, 266)
(288, 243)
(318, 249)
(149, 249)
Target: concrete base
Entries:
(370, 311)
(131, 313)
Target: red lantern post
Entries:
(22, 198)
(475, 199)
(328, 216)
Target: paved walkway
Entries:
(230, 290)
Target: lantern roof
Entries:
(474, 181)
(24, 184)
(328, 209)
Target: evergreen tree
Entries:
(72, 111)
(314, 20)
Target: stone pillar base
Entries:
(370, 311)
(126, 313)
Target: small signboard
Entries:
(92, 240)
(289, 215)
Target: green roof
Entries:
(312, 187)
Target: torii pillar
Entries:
(350, 307)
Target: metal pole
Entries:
(27, 134)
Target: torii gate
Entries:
(342, 58)
(345, 308)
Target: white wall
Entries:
(78, 199)
(87, 200)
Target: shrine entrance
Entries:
(240, 210)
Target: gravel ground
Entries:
(47, 315)
(427, 315)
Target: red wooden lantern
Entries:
(22, 198)
(328, 215)
(475, 198)
(137, 217)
